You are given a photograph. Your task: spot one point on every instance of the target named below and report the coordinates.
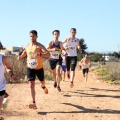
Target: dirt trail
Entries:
(86, 101)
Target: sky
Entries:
(97, 21)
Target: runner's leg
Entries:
(68, 66)
(73, 65)
(32, 87)
(1, 103)
(40, 75)
(53, 69)
(58, 75)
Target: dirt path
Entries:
(86, 101)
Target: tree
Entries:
(96, 57)
(83, 45)
(1, 46)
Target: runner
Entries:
(86, 64)
(63, 70)
(4, 63)
(34, 52)
(71, 60)
(55, 48)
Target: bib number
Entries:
(33, 63)
(55, 55)
(86, 66)
(72, 48)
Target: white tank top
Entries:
(2, 77)
(72, 45)
(63, 60)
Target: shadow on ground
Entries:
(82, 109)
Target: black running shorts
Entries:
(71, 63)
(85, 70)
(53, 63)
(2, 92)
(32, 73)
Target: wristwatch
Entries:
(12, 74)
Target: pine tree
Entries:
(1, 46)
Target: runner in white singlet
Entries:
(4, 63)
(72, 44)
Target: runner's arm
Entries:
(8, 68)
(22, 55)
(64, 41)
(45, 53)
(50, 49)
(62, 47)
(78, 46)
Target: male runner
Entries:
(72, 43)
(34, 52)
(63, 70)
(86, 64)
(55, 48)
(4, 64)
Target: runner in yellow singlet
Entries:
(34, 52)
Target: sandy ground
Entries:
(94, 100)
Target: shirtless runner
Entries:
(86, 64)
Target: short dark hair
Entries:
(56, 31)
(34, 32)
(74, 29)
(87, 54)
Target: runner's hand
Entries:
(18, 58)
(66, 48)
(14, 78)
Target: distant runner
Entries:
(4, 64)
(55, 48)
(35, 51)
(63, 70)
(72, 43)
(86, 64)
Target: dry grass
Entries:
(111, 72)
(19, 69)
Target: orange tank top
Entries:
(34, 62)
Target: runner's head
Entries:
(56, 34)
(33, 35)
(73, 32)
(86, 55)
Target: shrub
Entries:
(18, 67)
(111, 71)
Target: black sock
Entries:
(43, 87)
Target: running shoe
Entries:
(58, 89)
(55, 84)
(1, 118)
(45, 90)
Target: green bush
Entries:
(111, 72)
(102, 71)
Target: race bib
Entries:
(72, 48)
(32, 63)
(86, 66)
(55, 55)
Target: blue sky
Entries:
(97, 21)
